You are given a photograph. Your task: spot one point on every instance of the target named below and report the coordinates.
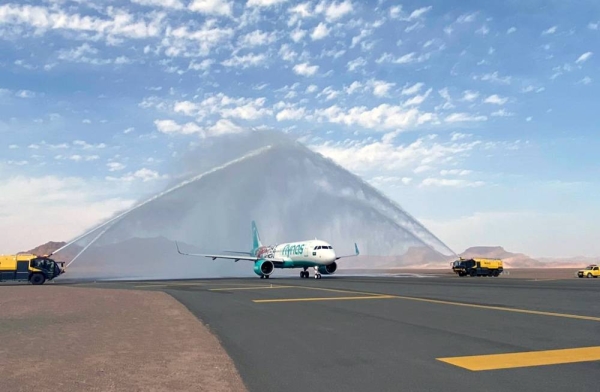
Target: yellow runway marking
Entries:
(515, 310)
(251, 288)
(526, 359)
(321, 299)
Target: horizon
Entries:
(477, 119)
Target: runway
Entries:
(401, 333)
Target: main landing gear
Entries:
(264, 276)
(305, 274)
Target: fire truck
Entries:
(29, 267)
(477, 267)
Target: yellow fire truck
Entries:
(29, 267)
(477, 267)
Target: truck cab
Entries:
(591, 271)
(28, 267)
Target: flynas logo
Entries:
(292, 250)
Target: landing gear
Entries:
(264, 276)
(317, 274)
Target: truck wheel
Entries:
(589, 275)
(496, 273)
(37, 279)
(473, 273)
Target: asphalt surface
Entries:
(386, 334)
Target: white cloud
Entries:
(129, 130)
(120, 23)
(419, 12)
(245, 61)
(418, 99)
(354, 87)
(329, 93)
(356, 64)
(311, 89)
(470, 96)
(483, 30)
(320, 32)
(258, 38)
(171, 127)
(297, 35)
(144, 174)
(494, 78)
(382, 117)
(286, 53)
(378, 158)
(464, 117)
(115, 166)
(211, 7)
(334, 11)
(584, 57)
(466, 18)
(511, 30)
(380, 87)
(182, 42)
(290, 114)
(594, 26)
(223, 127)
(222, 105)
(455, 172)
(13, 147)
(457, 183)
(25, 94)
(496, 100)
(302, 10)
(305, 69)
(87, 146)
(549, 31)
(502, 113)
(408, 58)
(459, 136)
(414, 89)
(263, 3)
(173, 4)
(586, 80)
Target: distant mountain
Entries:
(510, 260)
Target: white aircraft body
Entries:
(305, 254)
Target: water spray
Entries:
(180, 185)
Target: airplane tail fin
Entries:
(255, 238)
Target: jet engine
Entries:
(263, 267)
(328, 269)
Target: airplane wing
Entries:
(356, 253)
(229, 257)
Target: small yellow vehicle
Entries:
(477, 267)
(28, 267)
(591, 271)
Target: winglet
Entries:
(356, 249)
(178, 251)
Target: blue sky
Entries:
(477, 117)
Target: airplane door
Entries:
(305, 251)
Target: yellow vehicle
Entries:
(591, 271)
(477, 267)
(28, 267)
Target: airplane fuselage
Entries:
(312, 253)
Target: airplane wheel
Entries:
(317, 276)
(267, 276)
(303, 274)
(262, 276)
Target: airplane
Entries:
(305, 254)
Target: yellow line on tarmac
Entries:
(515, 310)
(321, 299)
(336, 290)
(526, 359)
(251, 288)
